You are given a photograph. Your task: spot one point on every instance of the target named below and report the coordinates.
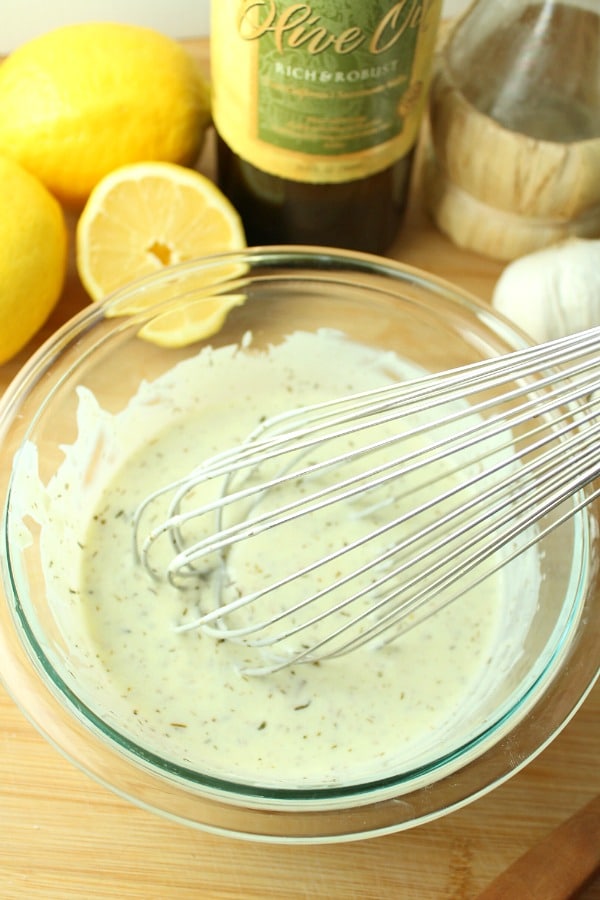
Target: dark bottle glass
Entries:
(317, 108)
(363, 214)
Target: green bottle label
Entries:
(325, 90)
(329, 87)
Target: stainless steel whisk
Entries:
(445, 479)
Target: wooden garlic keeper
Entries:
(513, 155)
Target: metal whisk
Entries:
(423, 489)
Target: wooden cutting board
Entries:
(64, 837)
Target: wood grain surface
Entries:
(64, 837)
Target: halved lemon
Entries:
(144, 217)
(194, 320)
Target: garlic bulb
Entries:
(552, 292)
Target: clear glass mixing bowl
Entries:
(377, 303)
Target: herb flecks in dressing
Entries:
(364, 715)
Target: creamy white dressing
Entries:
(367, 714)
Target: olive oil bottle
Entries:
(317, 108)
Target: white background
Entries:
(21, 20)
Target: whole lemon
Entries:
(33, 256)
(79, 101)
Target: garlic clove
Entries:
(552, 292)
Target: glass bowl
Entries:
(60, 421)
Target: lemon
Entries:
(190, 321)
(33, 256)
(81, 100)
(146, 216)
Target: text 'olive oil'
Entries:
(317, 108)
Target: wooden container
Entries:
(501, 192)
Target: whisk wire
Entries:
(401, 612)
(555, 490)
(468, 379)
(348, 488)
(524, 427)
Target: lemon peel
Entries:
(33, 256)
(81, 100)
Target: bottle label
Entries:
(324, 91)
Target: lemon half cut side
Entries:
(146, 217)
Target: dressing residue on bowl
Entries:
(366, 715)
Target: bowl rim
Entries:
(375, 790)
